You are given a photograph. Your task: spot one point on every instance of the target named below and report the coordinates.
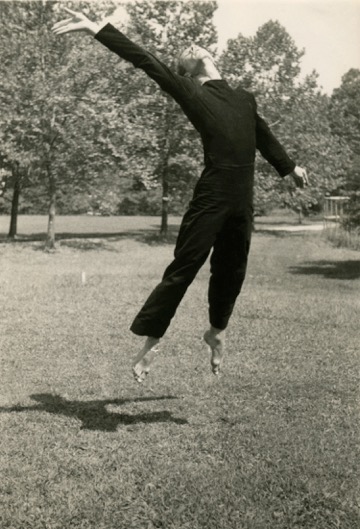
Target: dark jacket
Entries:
(227, 120)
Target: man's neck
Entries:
(208, 73)
(201, 79)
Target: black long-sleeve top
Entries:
(227, 120)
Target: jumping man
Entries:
(219, 217)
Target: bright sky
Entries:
(328, 30)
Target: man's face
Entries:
(192, 57)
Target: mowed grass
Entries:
(272, 443)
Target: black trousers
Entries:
(219, 217)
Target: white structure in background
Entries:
(334, 210)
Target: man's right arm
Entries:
(176, 85)
(168, 80)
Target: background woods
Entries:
(84, 132)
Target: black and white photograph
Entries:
(180, 264)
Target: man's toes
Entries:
(139, 378)
(137, 373)
(215, 366)
(140, 374)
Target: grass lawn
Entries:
(273, 443)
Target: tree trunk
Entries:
(14, 210)
(300, 218)
(165, 204)
(50, 239)
(166, 149)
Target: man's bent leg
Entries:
(193, 246)
(196, 238)
(198, 231)
(160, 307)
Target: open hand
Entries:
(77, 22)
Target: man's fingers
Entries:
(74, 13)
(300, 177)
(60, 31)
(64, 29)
(61, 23)
(304, 178)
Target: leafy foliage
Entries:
(165, 28)
(57, 129)
(345, 122)
(268, 64)
(86, 132)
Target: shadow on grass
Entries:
(93, 414)
(329, 269)
(98, 240)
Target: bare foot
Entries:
(216, 346)
(141, 366)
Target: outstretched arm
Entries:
(272, 150)
(176, 85)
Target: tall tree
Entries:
(345, 109)
(345, 121)
(16, 139)
(166, 27)
(57, 126)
